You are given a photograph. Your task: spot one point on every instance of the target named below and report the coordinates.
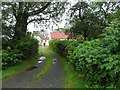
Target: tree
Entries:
(40, 33)
(19, 14)
(90, 18)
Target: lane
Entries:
(20, 80)
(52, 79)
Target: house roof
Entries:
(45, 38)
(58, 35)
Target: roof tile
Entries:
(58, 35)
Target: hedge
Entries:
(17, 51)
(98, 60)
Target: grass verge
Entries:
(47, 63)
(72, 79)
(11, 71)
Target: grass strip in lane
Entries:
(47, 63)
(72, 79)
(13, 70)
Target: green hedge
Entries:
(71, 46)
(59, 47)
(63, 47)
(99, 60)
(11, 58)
(28, 47)
(19, 50)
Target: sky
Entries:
(31, 27)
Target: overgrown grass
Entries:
(72, 79)
(47, 63)
(11, 71)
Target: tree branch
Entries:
(40, 19)
(14, 12)
(39, 10)
(13, 8)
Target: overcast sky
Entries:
(31, 27)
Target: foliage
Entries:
(15, 69)
(59, 47)
(71, 46)
(72, 79)
(99, 60)
(17, 15)
(64, 47)
(28, 47)
(90, 18)
(10, 58)
(18, 50)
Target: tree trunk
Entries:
(21, 26)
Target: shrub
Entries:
(71, 46)
(19, 50)
(11, 58)
(28, 47)
(99, 60)
(52, 44)
(64, 47)
(59, 47)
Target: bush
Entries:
(64, 47)
(71, 46)
(59, 47)
(99, 60)
(19, 50)
(52, 44)
(28, 47)
(11, 58)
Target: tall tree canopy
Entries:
(90, 18)
(17, 15)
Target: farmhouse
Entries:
(53, 35)
(58, 35)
